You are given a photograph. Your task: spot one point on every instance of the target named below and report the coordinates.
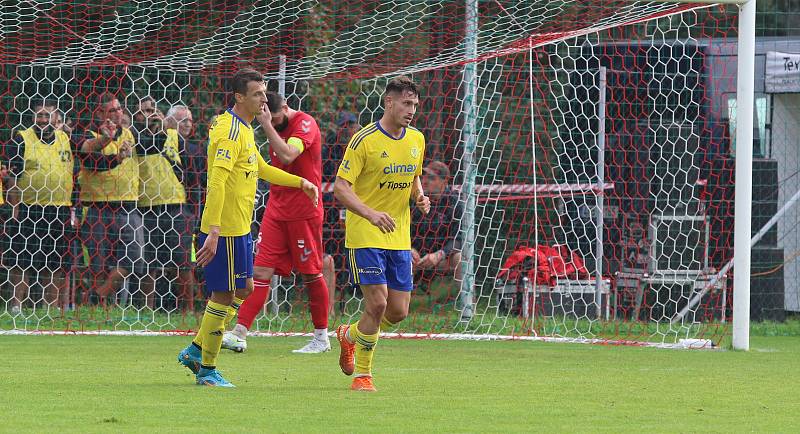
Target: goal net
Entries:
(588, 146)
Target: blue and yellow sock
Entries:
(352, 332)
(365, 348)
(210, 333)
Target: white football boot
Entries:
(231, 341)
(315, 346)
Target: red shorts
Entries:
(290, 245)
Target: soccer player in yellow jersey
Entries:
(234, 164)
(379, 173)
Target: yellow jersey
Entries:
(158, 184)
(382, 169)
(47, 178)
(232, 146)
(120, 183)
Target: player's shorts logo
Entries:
(370, 270)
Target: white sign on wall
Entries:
(782, 72)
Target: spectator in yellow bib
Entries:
(111, 229)
(193, 156)
(36, 237)
(162, 195)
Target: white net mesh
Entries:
(579, 233)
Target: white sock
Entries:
(321, 334)
(240, 331)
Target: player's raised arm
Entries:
(287, 152)
(276, 176)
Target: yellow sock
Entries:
(210, 333)
(230, 313)
(352, 333)
(386, 324)
(365, 348)
(233, 309)
(198, 340)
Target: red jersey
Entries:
(290, 204)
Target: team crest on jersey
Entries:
(415, 152)
(301, 243)
(252, 159)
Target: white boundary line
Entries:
(683, 344)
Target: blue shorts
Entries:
(381, 267)
(231, 266)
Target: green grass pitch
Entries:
(134, 384)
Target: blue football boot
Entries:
(191, 358)
(211, 377)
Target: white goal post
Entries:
(744, 167)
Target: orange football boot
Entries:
(346, 350)
(363, 384)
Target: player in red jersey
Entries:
(291, 229)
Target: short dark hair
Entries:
(105, 98)
(401, 84)
(274, 102)
(238, 83)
